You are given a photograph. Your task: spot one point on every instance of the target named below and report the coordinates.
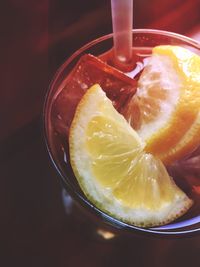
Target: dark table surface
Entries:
(35, 228)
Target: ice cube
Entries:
(88, 71)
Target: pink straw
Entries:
(122, 20)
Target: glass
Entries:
(143, 40)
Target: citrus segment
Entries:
(168, 103)
(114, 172)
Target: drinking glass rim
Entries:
(83, 201)
(153, 31)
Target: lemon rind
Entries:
(100, 196)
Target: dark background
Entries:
(36, 37)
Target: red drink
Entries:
(73, 80)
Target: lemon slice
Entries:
(166, 108)
(114, 172)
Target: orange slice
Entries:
(166, 108)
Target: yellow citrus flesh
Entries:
(168, 103)
(114, 172)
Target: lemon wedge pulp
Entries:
(168, 103)
(113, 170)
